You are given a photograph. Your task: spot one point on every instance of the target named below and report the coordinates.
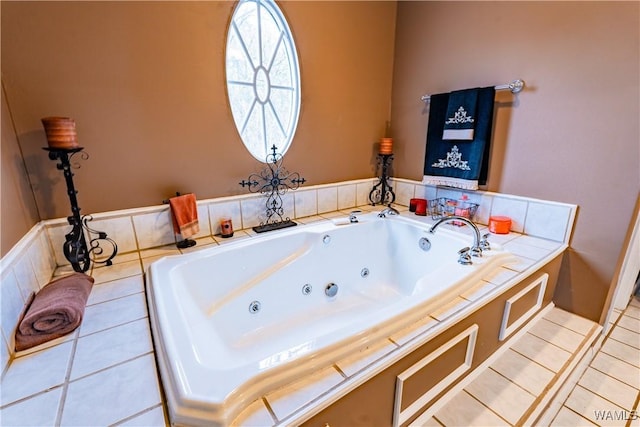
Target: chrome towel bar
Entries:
(515, 87)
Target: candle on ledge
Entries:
(61, 132)
(386, 146)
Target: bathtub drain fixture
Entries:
(326, 239)
(424, 244)
(364, 272)
(254, 307)
(306, 289)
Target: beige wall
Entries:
(18, 208)
(571, 136)
(145, 83)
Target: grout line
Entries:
(634, 407)
(340, 371)
(437, 420)
(603, 350)
(137, 414)
(550, 343)
(512, 381)
(577, 364)
(128, 322)
(267, 405)
(577, 413)
(65, 384)
(120, 296)
(599, 395)
(564, 327)
(120, 363)
(487, 407)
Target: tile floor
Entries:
(104, 373)
(606, 392)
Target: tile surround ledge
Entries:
(31, 263)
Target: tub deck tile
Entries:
(256, 414)
(352, 364)
(21, 380)
(410, 332)
(450, 308)
(112, 394)
(40, 410)
(289, 399)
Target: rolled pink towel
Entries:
(54, 311)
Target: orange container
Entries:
(386, 146)
(499, 224)
(61, 132)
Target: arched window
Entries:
(263, 77)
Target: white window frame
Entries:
(268, 114)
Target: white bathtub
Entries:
(217, 352)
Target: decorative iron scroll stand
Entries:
(383, 195)
(75, 246)
(273, 181)
(186, 242)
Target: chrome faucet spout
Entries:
(476, 249)
(388, 211)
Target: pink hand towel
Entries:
(54, 311)
(185, 215)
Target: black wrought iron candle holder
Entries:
(273, 182)
(382, 193)
(75, 247)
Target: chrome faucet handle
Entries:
(476, 251)
(388, 211)
(352, 216)
(484, 243)
(465, 257)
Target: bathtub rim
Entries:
(184, 409)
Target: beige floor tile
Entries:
(621, 351)
(626, 336)
(501, 395)
(593, 407)
(610, 388)
(562, 337)
(566, 417)
(618, 369)
(464, 410)
(523, 371)
(570, 321)
(632, 311)
(630, 323)
(541, 352)
(429, 422)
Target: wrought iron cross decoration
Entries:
(273, 182)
